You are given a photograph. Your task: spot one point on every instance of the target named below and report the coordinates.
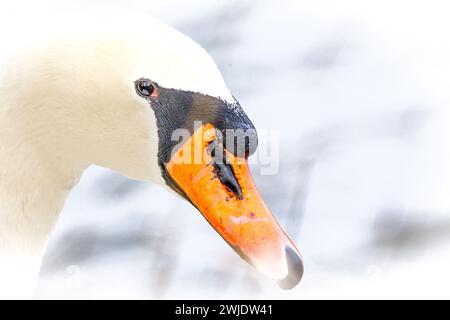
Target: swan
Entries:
(113, 91)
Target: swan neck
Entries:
(33, 189)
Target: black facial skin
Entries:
(178, 109)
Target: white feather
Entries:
(67, 101)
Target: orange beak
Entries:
(227, 197)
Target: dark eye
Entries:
(145, 88)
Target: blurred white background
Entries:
(359, 92)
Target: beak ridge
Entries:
(227, 197)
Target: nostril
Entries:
(226, 176)
(295, 269)
(224, 172)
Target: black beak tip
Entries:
(295, 270)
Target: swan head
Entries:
(150, 103)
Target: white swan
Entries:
(77, 91)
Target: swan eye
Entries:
(145, 88)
